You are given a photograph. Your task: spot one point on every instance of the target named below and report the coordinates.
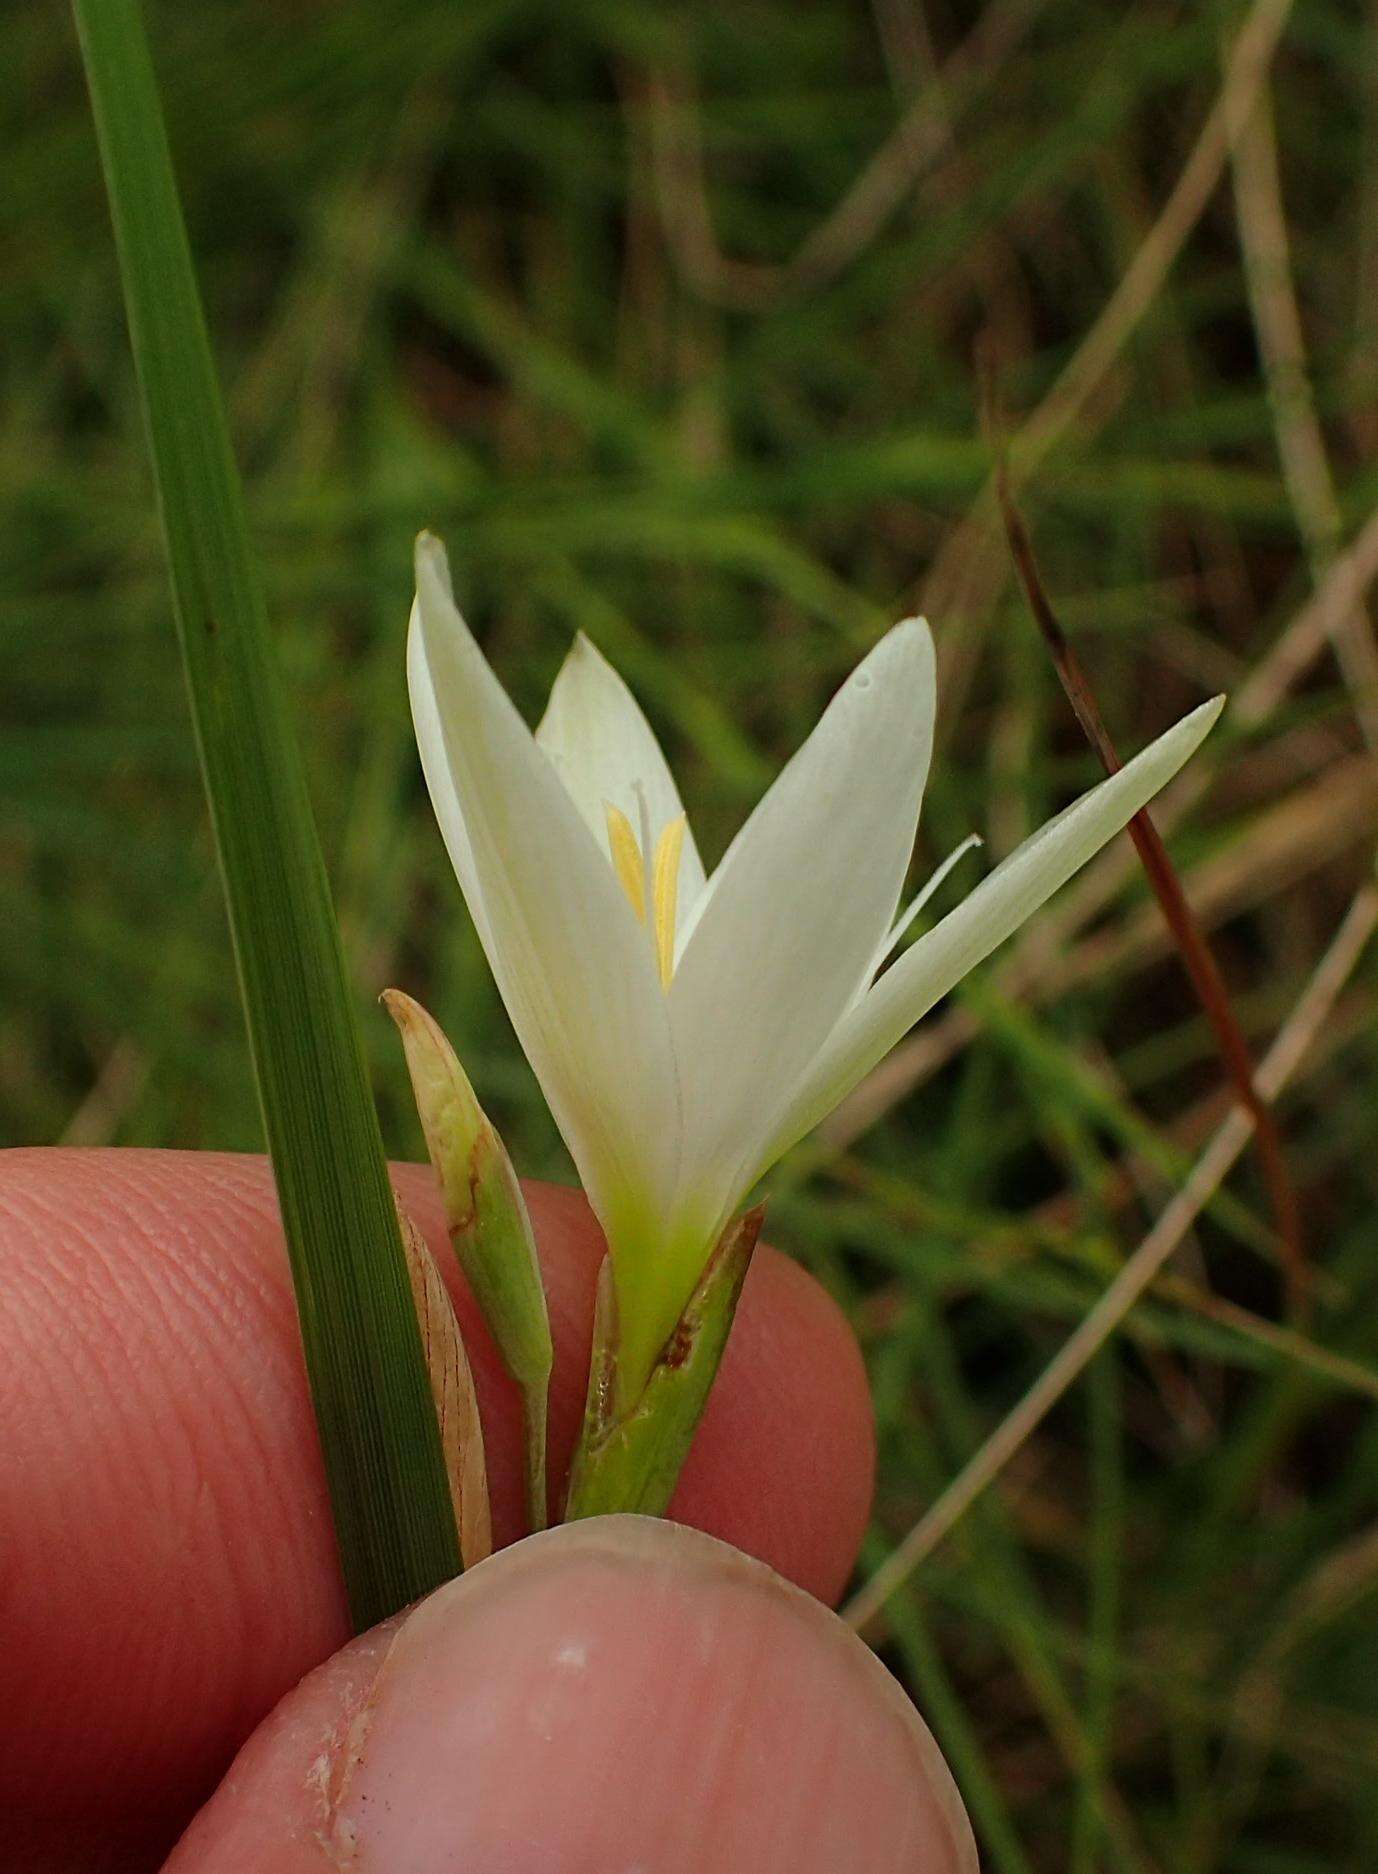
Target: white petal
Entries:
(570, 959)
(604, 750)
(430, 741)
(991, 913)
(797, 910)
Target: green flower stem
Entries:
(632, 1460)
(383, 1459)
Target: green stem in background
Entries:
(632, 1460)
(383, 1459)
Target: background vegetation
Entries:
(667, 320)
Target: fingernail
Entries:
(625, 1696)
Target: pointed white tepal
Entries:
(687, 1030)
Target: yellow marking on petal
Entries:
(665, 895)
(627, 860)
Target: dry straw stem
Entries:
(967, 577)
(1278, 1066)
(1246, 71)
(1285, 1342)
(1344, 589)
(1288, 839)
(121, 1079)
(1277, 319)
(676, 148)
(1132, 1177)
(1196, 954)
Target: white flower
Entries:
(686, 1031)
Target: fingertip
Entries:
(621, 1693)
(168, 1563)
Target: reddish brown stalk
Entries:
(1197, 957)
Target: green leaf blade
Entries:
(379, 1437)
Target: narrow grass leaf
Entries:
(379, 1436)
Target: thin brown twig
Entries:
(1137, 1274)
(1198, 959)
(1298, 645)
(965, 580)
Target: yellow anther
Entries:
(665, 895)
(629, 863)
(627, 859)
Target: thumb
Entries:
(616, 1695)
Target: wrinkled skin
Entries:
(167, 1572)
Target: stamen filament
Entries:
(665, 895)
(643, 821)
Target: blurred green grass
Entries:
(512, 271)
